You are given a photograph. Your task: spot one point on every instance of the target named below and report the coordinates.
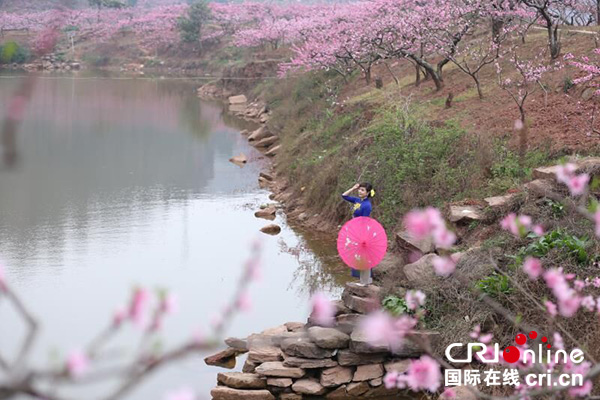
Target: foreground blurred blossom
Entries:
(77, 363)
(390, 380)
(181, 394)
(581, 369)
(517, 225)
(381, 328)
(119, 316)
(589, 303)
(323, 310)
(448, 394)
(139, 306)
(551, 308)
(576, 183)
(244, 303)
(444, 266)
(169, 304)
(569, 305)
(424, 374)
(558, 341)
(429, 223)
(415, 299)
(532, 267)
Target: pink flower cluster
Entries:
(380, 328)
(415, 299)
(422, 374)
(576, 183)
(445, 266)
(568, 299)
(520, 225)
(428, 223)
(323, 310)
(77, 363)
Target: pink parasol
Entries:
(362, 243)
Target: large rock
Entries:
(368, 372)
(277, 369)
(360, 344)
(265, 354)
(267, 213)
(308, 386)
(376, 382)
(303, 347)
(290, 396)
(294, 326)
(348, 358)
(279, 382)
(277, 339)
(266, 142)
(272, 229)
(359, 304)
(240, 380)
(336, 376)
(421, 272)
(546, 172)
(236, 343)
(339, 394)
(239, 99)
(259, 134)
(309, 363)
(399, 366)
(368, 291)
(357, 388)
(543, 188)
(328, 338)
(466, 213)
(408, 242)
(274, 331)
(225, 358)
(226, 393)
(249, 367)
(267, 176)
(239, 160)
(273, 151)
(499, 202)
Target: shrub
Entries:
(12, 52)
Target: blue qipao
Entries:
(362, 208)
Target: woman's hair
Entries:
(368, 187)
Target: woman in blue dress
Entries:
(362, 204)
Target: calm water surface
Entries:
(124, 182)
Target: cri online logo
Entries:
(512, 354)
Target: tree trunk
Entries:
(479, 92)
(418, 75)
(497, 25)
(367, 72)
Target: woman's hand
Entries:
(356, 186)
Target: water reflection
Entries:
(125, 182)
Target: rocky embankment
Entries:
(303, 360)
(50, 62)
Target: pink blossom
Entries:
(569, 305)
(558, 341)
(414, 299)
(532, 267)
(77, 363)
(553, 277)
(565, 172)
(169, 304)
(596, 282)
(486, 338)
(579, 285)
(443, 238)
(253, 270)
(139, 305)
(390, 380)
(119, 316)
(429, 223)
(444, 266)
(381, 328)
(582, 391)
(244, 303)
(476, 332)
(589, 303)
(551, 308)
(417, 224)
(448, 394)
(517, 225)
(323, 310)
(577, 184)
(538, 230)
(181, 394)
(424, 374)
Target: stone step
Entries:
(466, 213)
(227, 393)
